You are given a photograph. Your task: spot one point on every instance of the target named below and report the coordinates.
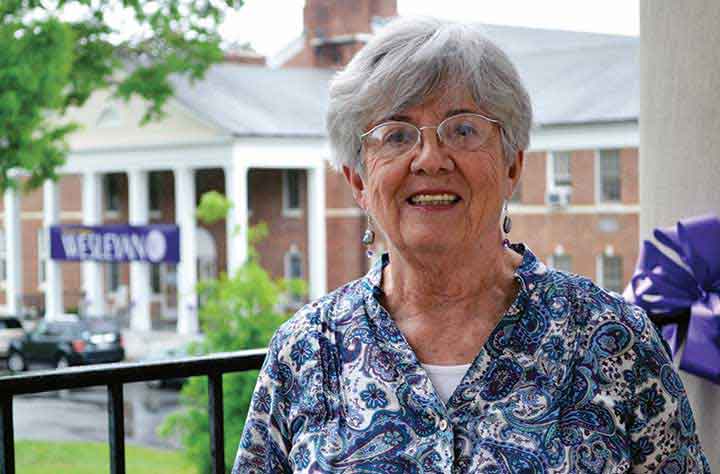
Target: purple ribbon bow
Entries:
(661, 286)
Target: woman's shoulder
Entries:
(592, 305)
(606, 322)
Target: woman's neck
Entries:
(450, 284)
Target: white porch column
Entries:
(13, 252)
(680, 144)
(139, 213)
(92, 272)
(236, 190)
(317, 244)
(185, 207)
(54, 307)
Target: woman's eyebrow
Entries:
(405, 118)
(449, 113)
(452, 112)
(396, 118)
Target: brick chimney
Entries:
(336, 29)
(243, 54)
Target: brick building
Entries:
(256, 133)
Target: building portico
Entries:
(234, 157)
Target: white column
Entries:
(92, 272)
(13, 252)
(54, 307)
(680, 143)
(139, 214)
(317, 244)
(236, 190)
(185, 208)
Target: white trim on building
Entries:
(13, 252)
(585, 136)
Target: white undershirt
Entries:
(445, 378)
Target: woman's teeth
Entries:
(434, 199)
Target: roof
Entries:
(572, 77)
(253, 100)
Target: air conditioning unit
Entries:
(559, 197)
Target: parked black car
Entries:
(10, 328)
(61, 344)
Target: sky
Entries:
(269, 25)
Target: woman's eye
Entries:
(464, 130)
(398, 137)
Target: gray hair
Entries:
(409, 61)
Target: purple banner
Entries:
(116, 243)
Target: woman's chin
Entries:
(431, 244)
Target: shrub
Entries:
(238, 312)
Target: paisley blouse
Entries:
(571, 380)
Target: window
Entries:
(611, 271)
(562, 262)
(112, 192)
(609, 175)
(293, 263)
(294, 270)
(42, 255)
(291, 192)
(113, 276)
(3, 259)
(561, 176)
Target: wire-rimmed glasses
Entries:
(461, 132)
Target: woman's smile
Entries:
(434, 200)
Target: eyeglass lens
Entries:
(464, 132)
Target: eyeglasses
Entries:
(462, 132)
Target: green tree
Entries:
(241, 311)
(213, 207)
(55, 53)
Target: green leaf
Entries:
(49, 64)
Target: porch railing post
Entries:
(116, 426)
(7, 447)
(217, 433)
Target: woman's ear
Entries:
(355, 180)
(515, 171)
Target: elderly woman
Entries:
(457, 352)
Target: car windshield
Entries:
(100, 326)
(10, 323)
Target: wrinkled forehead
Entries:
(439, 97)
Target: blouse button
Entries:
(443, 425)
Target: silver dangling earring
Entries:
(506, 225)
(369, 236)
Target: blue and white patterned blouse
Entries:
(572, 380)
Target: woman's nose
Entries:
(431, 157)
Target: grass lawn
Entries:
(43, 457)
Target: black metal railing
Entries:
(114, 377)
